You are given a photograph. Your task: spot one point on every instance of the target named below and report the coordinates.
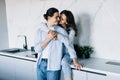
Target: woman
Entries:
(68, 23)
(49, 46)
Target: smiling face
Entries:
(54, 19)
(63, 20)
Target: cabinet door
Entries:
(113, 77)
(79, 75)
(25, 70)
(7, 68)
(96, 76)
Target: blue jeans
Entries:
(44, 74)
(66, 69)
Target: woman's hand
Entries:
(76, 64)
(52, 35)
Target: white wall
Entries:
(97, 22)
(3, 26)
(106, 30)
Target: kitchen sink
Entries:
(13, 50)
(31, 56)
(34, 55)
(113, 63)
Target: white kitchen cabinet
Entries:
(25, 70)
(17, 69)
(96, 76)
(79, 75)
(7, 68)
(113, 77)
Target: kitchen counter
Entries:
(93, 65)
(101, 66)
(26, 55)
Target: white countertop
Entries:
(97, 65)
(26, 55)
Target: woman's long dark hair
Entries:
(70, 21)
(50, 12)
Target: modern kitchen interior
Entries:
(98, 25)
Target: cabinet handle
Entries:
(98, 73)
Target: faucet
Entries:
(25, 38)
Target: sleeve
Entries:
(65, 40)
(71, 36)
(44, 28)
(38, 42)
